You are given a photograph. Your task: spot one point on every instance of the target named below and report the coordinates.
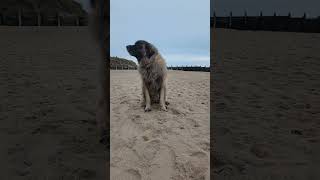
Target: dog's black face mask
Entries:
(141, 49)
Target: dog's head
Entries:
(142, 49)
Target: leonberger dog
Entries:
(153, 71)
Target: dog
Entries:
(153, 71)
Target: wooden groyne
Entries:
(123, 67)
(267, 23)
(190, 68)
(32, 18)
(180, 68)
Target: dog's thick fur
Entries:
(153, 71)
(99, 25)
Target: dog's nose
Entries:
(128, 47)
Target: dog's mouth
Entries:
(131, 50)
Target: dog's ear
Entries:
(150, 50)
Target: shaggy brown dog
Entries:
(153, 71)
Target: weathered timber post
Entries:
(58, 19)
(19, 17)
(1, 19)
(245, 17)
(39, 18)
(261, 24)
(302, 26)
(77, 21)
(230, 20)
(214, 20)
(288, 22)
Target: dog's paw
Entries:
(163, 108)
(147, 109)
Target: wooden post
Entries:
(58, 19)
(78, 21)
(214, 20)
(19, 18)
(230, 20)
(274, 14)
(245, 17)
(260, 22)
(3, 19)
(39, 19)
(302, 27)
(289, 15)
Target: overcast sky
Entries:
(180, 29)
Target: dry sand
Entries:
(266, 105)
(47, 112)
(160, 145)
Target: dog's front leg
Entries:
(143, 99)
(163, 97)
(165, 94)
(147, 99)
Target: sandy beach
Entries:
(160, 145)
(265, 105)
(48, 129)
(265, 110)
(47, 113)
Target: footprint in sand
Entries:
(197, 166)
(129, 129)
(129, 174)
(175, 111)
(162, 166)
(192, 122)
(150, 151)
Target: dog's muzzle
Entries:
(129, 48)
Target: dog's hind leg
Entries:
(165, 94)
(162, 97)
(147, 99)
